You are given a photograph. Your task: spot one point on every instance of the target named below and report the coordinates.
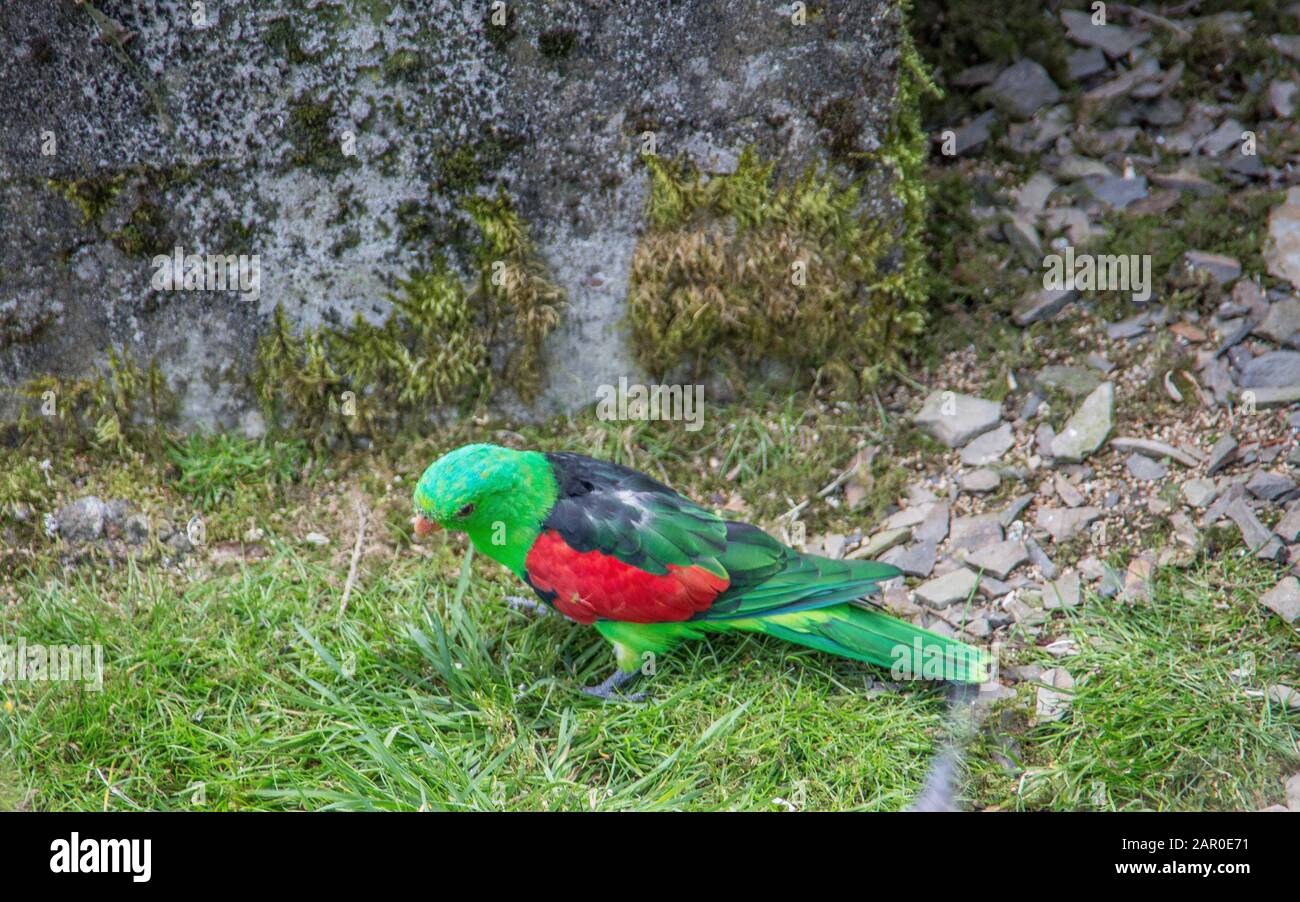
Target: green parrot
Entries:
(607, 546)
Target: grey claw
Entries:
(608, 690)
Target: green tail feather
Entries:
(865, 634)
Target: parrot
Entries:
(609, 547)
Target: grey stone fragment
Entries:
(1284, 599)
(1199, 492)
(1223, 451)
(975, 531)
(1012, 511)
(1022, 89)
(1270, 486)
(977, 76)
(1282, 98)
(1032, 196)
(1116, 191)
(952, 587)
(1085, 431)
(135, 529)
(955, 419)
(999, 559)
(1040, 304)
(1154, 449)
(1065, 522)
(934, 528)
(1265, 398)
(1272, 370)
(1038, 557)
(1223, 138)
(1084, 64)
(980, 481)
(1219, 267)
(1256, 536)
(1023, 236)
(1063, 593)
(1282, 321)
(1055, 696)
(916, 559)
(989, 447)
(1115, 40)
(1282, 247)
(973, 135)
(1144, 468)
(1288, 528)
(82, 520)
(882, 541)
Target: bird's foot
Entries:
(609, 689)
(519, 603)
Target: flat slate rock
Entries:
(1022, 90)
(934, 528)
(1255, 534)
(1282, 321)
(1065, 522)
(1288, 528)
(1154, 449)
(917, 559)
(999, 559)
(975, 531)
(948, 589)
(1114, 40)
(980, 481)
(1272, 370)
(1269, 486)
(1083, 64)
(1284, 599)
(972, 135)
(1087, 429)
(883, 541)
(1144, 468)
(1221, 454)
(1116, 191)
(1282, 251)
(1220, 268)
(989, 447)
(1063, 592)
(1012, 511)
(1040, 304)
(955, 419)
(1199, 492)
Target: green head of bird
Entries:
(497, 495)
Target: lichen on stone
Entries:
(435, 350)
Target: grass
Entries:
(242, 685)
(1158, 719)
(213, 467)
(429, 693)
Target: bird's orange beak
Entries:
(424, 526)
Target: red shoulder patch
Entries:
(592, 585)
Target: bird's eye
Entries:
(465, 511)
